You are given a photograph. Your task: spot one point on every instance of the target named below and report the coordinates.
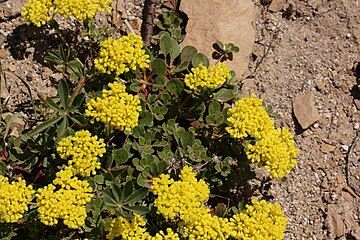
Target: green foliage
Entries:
(176, 127)
(224, 52)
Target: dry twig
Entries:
(148, 24)
(356, 189)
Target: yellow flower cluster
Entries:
(262, 220)
(14, 198)
(116, 107)
(135, 230)
(122, 55)
(64, 199)
(184, 201)
(276, 152)
(83, 149)
(274, 148)
(38, 11)
(210, 77)
(248, 117)
(81, 9)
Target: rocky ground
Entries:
(305, 63)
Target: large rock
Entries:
(304, 110)
(227, 21)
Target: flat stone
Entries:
(357, 103)
(326, 148)
(277, 5)
(4, 93)
(336, 224)
(2, 39)
(3, 53)
(304, 110)
(227, 21)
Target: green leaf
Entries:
(135, 87)
(159, 112)
(141, 210)
(138, 131)
(169, 45)
(146, 119)
(76, 69)
(224, 95)
(137, 196)
(187, 53)
(77, 101)
(120, 156)
(2, 168)
(200, 58)
(63, 93)
(182, 66)
(141, 180)
(44, 126)
(78, 119)
(214, 107)
(126, 191)
(115, 190)
(175, 86)
(52, 104)
(187, 139)
(158, 67)
(99, 179)
(109, 199)
(63, 127)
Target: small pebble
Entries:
(345, 147)
(356, 126)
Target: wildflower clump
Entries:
(135, 229)
(261, 220)
(209, 77)
(83, 151)
(64, 199)
(39, 12)
(14, 198)
(184, 200)
(249, 117)
(276, 152)
(122, 55)
(116, 107)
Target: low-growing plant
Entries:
(140, 143)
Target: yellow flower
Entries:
(81, 9)
(135, 230)
(14, 198)
(83, 149)
(211, 77)
(116, 107)
(184, 201)
(66, 202)
(121, 55)
(261, 220)
(37, 11)
(249, 117)
(276, 152)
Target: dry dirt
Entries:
(305, 62)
